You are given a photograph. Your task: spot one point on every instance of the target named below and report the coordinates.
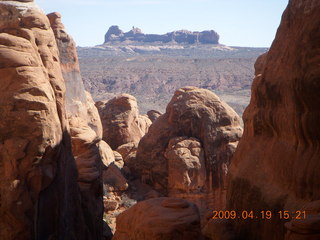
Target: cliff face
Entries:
(35, 147)
(70, 67)
(85, 129)
(39, 192)
(115, 34)
(276, 165)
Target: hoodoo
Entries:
(187, 150)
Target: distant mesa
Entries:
(115, 34)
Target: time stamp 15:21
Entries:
(265, 214)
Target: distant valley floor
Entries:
(152, 73)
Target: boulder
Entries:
(121, 121)
(118, 160)
(114, 180)
(159, 219)
(276, 165)
(186, 165)
(106, 153)
(130, 162)
(110, 205)
(153, 115)
(198, 116)
(127, 148)
(144, 123)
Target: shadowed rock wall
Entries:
(85, 129)
(276, 165)
(39, 192)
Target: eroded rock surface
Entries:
(114, 179)
(121, 121)
(127, 148)
(89, 150)
(153, 115)
(160, 219)
(186, 165)
(39, 194)
(195, 116)
(307, 225)
(276, 165)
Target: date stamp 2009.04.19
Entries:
(264, 214)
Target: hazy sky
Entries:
(250, 23)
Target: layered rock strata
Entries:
(115, 34)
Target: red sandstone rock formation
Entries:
(39, 195)
(85, 127)
(126, 149)
(159, 219)
(106, 153)
(186, 165)
(305, 228)
(197, 116)
(114, 179)
(121, 121)
(276, 165)
(128, 152)
(153, 115)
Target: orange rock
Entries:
(118, 160)
(121, 121)
(81, 109)
(126, 149)
(113, 178)
(106, 153)
(89, 150)
(197, 115)
(186, 165)
(153, 115)
(161, 219)
(307, 226)
(37, 169)
(276, 165)
(110, 205)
